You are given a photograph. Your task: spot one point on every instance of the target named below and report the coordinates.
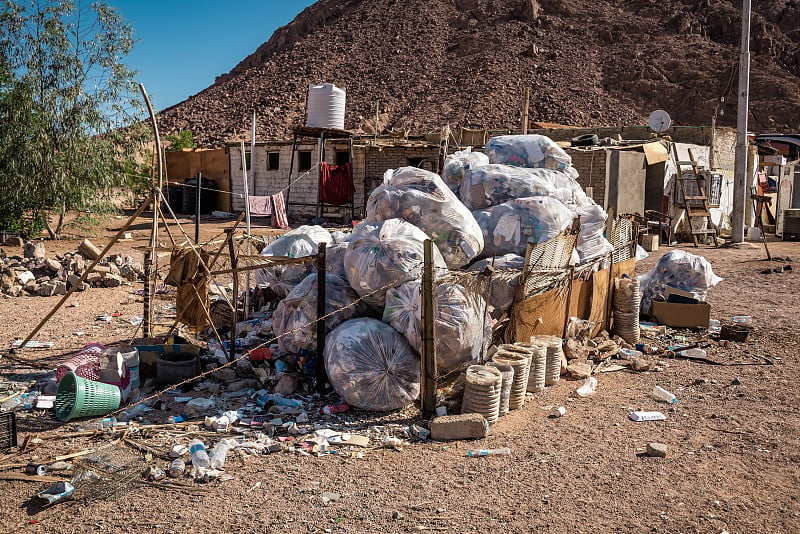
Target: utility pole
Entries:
(740, 178)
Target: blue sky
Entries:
(183, 45)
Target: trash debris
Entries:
(664, 395)
(558, 412)
(58, 492)
(588, 388)
(475, 453)
(647, 416)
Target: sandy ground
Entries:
(732, 463)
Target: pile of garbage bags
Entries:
(371, 366)
(293, 320)
(460, 327)
(681, 270)
(504, 283)
(297, 243)
(422, 198)
(385, 254)
(534, 151)
(509, 227)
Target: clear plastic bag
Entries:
(461, 333)
(528, 151)
(292, 319)
(297, 243)
(456, 164)
(504, 283)
(591, 242)
(490, 185)
(334, 258)
(385, 254)
(371, 365)
(681, 270)
(509, 227)
(422, 198)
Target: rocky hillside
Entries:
(467, 62)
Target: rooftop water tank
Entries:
(325, 106)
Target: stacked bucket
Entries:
(482, 392)
(627, 299)
(553, 356)
(536, 378)
(518, 358)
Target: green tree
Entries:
(66, 101)
(184, 139)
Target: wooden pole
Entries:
(197, 210)
(147, 296)
(89, 269)
(428, 360)
(525, 105)
(319, 362)
(569, 301)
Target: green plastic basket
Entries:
(78, 397)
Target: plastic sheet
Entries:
(371, 365)
(302, 241)
(385, 254)
(681, 270)
(484, 187)
(456, 164)
(460, 330)
(535, 151)
(422, 198)
(294, 314)
(509, 227)
(504, 284)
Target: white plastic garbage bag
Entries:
(371, 365)
(456, 164)
(302, 241)
(461, 331)
(509, 227)
(504, 282)
(292, 321)
(422, 198)
(681, 270)
(591, 242)
(385, 254)
(490, 185)
(528, 151)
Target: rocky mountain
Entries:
(426, 63)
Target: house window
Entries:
(342, 157)
(246, 161)
(304, 160)
(273, 161)
(415, 162)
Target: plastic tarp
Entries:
(460, 330)
(681, 270)
(297, 243)
(535, 151)
(422, 198)
(385, 254)
(292, 321)
(371, 365)
(509, 227)
(505, 283)
(457, 163)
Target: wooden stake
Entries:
(319, 363)
(525, 105)
(428, 360)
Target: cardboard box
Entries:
(681, 315)
(649, 242)
(148, 357)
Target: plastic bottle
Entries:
(629, 354)
(588, 388)
(743, 319)
(177, 467)
(220, 453)
(694, 353)
(714, 326)
(503, 451)
(133, 412)
(200, 460)
(663, 394)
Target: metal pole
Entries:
(428, 360)
(235, 317)
(147, 295)
(740, 179)
(197, 211)
(319, 362)
(248, 278)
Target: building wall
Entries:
(592, 167)
(369, 165)
(212, 164)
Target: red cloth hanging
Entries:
(336, 184)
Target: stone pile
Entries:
(34, 274)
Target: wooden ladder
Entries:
(696, 205)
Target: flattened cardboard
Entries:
(682, 315)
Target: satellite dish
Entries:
(659, 121)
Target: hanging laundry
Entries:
(336, 184)
(260, 206)
(279, 218)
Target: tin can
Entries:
(176, 468)
(36, 469)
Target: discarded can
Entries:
(60, 491)
(335, 408)
(155, 474)
(177, 468)
(36, 469)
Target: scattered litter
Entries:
(647, 416)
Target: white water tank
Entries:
(325, 106)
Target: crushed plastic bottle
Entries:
(133, 412)
(220, 453)
(662, 394)
(588, 388)
(742, 319)
(200, 460)
(475, 453)
(629, 354)
(714, 326)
